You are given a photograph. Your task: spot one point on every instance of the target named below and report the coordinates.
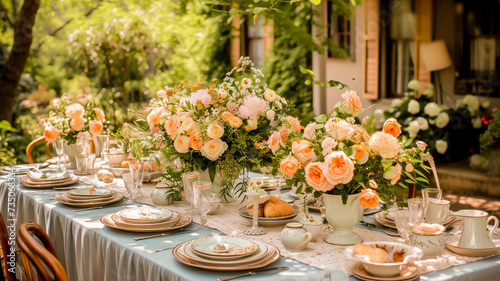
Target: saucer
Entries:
(474, 252)
(410, 272)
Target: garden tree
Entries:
(23, 37)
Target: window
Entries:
(253, 41)
(341, 34)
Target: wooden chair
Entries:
(42, 258)
(5, 250)
(33, 143)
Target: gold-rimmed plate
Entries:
(205, 247)
(31, 184)
(122, 223)
(184, 220)
(117, 197)
(408, 273)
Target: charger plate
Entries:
(360, 273)
(28, 183)
(262, 251)
(122, 223)
(184, 220)
(117, 197)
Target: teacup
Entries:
(314, 227)
(437, 210)
(214, 205)
(431, 245)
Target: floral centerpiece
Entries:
(348, 163)
(219, 127)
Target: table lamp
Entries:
(435, 57)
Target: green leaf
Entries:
(410, 181)
(211, 170)
(350, 151)
(386, 163)
(422, 179)
(289, 182)
(317, 193)
(403, 185)
(230, 19)
(316, 2)
(409, 175)
(319, 126)
(344, 197)
(321, 118)
(307, 82)
(258, 10)
(358, 178)
(307, 71)
(277, 10)
(420, 173)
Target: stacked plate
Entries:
(18, 169)
(387, 219)
(225, 253)
(88, 197)
(274, 221)
(47, 178)
(144, 219)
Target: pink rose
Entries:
(156, 115)
(338, 168)
(161, 94)
(385, 144)
(303, 152)
(315, 177)
(310, 131)
(74, 110)
(328, 145)
(77, 124)
(99, 114)
(201, 96)
(252, 107)
(353, 101)
(294, 123)
(274, 142)
(171, 126)
(339, 129)
(95, 127)
(50, 133)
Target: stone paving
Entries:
(488, 204)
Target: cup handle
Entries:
(308, 237)
(494, 226)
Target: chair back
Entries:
(33, 143)
(5, 250)
(41, 257)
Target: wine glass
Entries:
(137, 173)
(187, 182)
(402, 221)
(202, 198)
(130, 186)
(281, 178)
(58, 145)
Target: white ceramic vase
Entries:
(72, 151)
(342, 218)
(216, 187)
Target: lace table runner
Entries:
(318, 253)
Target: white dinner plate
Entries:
(97, 192)
(165, 224)
(184, 220)
(205, 247)
(145, 215)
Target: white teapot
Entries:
(295, 237)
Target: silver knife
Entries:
(253, 272)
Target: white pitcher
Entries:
(475, 234)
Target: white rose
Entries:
(215, 131)
(252, 123)
(271, 95)
(477, 123)
(413, 107)
(424, 125)
(310, 131)
(188, 124)
(432, 109)
(328, 145)
(270, 114)
(486, 104)
(339, 129)
(414, 85)
(413, 128)
(385, 144)
(181, 144)
(213, 149)
(396, 102)
(222, 93)
(441, 146)
(442, 120)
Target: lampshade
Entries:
(435, 55)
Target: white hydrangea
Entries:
(477, 123)
(442, 120)
(432, 109)
(424, 125)
(413, 107)
(486, 104)
(472, 103)
(396, 102)
(413, 128)
(414, 85)
(441, 146)
(429, 91)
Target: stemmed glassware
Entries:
(130, 186)
(202, 198)
(402, 220)
(137, 174)
(58, 145)
(430, 194)
(187, 182)
(102, 143)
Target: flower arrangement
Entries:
(338, 155)
(73, 118)
(421, 118)
(219, 127)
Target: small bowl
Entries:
(389, 268)
(115, 159)
(116, 171)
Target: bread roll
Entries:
(374, 254)
(125, 164)
(262, 201)
(102, 173)
(108, 178)
(276, 207)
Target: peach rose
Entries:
(226, 115)
(50, 133)
(274, 142)
(74, 110)
(95, 127)
(338, 168)
(328, 144)
(156, 115)
(392, 127)
(181, 144)
(215, 131)
(235, 122)
(421, 145)
(373, 184)
(169, 91)
(289, 166)
(409, 168)
(77, 124)
(393, 174)
(213, 149)
(303, 152)
(171, 126)
(386, 145)
(99, 114)
(353, 101)
(429, 229)
(294, 123)
(361, 155)
(339, 129)
(161, 94)
(284, 133)
(310, 131)
(368, 198)
(315, 177)
(194, 140)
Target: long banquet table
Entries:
(90, 251)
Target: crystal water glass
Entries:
(187, 182)
(58, 145)
(102, 144)
(137, 174)
(402, 221)
(430, 194)
(129, 186)
(202, 198)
